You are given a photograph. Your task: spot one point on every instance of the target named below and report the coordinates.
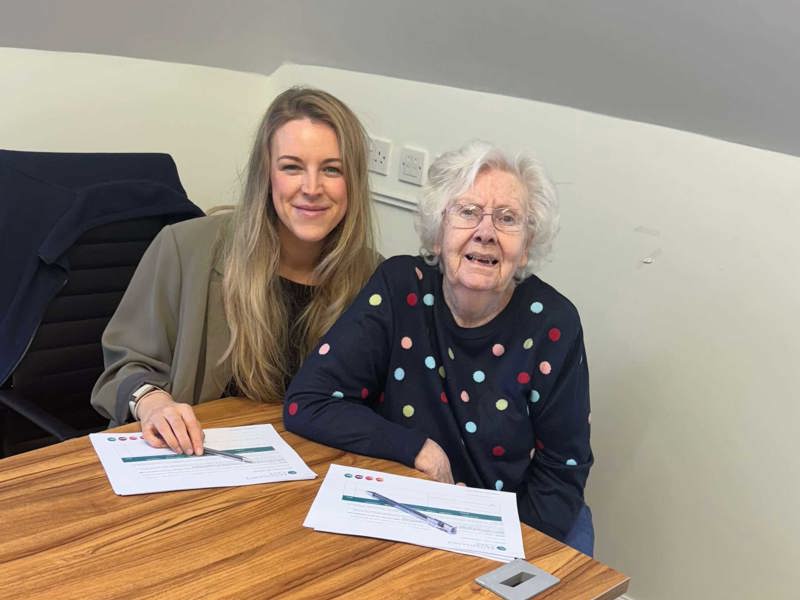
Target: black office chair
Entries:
(45, 397)
(50, 388)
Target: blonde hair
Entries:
(255, 302)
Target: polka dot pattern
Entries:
(501, 368)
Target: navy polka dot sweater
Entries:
(508, 401)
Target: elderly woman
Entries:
(460, 362)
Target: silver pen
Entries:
(207, 450)
(432, 521)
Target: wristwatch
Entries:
(137, 395)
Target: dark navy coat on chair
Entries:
(72, 230)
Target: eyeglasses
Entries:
(468, 216)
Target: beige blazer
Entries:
(170, 328)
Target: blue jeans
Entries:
(581, 536)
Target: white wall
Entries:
(205, 118)
(693, 358)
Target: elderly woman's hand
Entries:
(169, 423)
(433, 461)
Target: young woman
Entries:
(231, 303)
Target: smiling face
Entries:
(481, 262)
(309, 191)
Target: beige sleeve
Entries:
(139, 341)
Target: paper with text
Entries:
(486, 521)
(134, 467)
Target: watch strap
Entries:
(137, 395)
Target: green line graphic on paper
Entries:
(130, 459)
(429, 509)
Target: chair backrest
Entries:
(65, 356)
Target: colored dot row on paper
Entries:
(360, 476)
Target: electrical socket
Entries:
(379, 152)
(412, 165)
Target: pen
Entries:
(432, 521)
(207, 450)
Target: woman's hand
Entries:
(169, 423)
(433, 461)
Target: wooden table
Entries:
(65, 534)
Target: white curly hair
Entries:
(453, 173)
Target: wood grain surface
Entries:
(65, 534)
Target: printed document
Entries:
(486, 521)
(134, 467)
